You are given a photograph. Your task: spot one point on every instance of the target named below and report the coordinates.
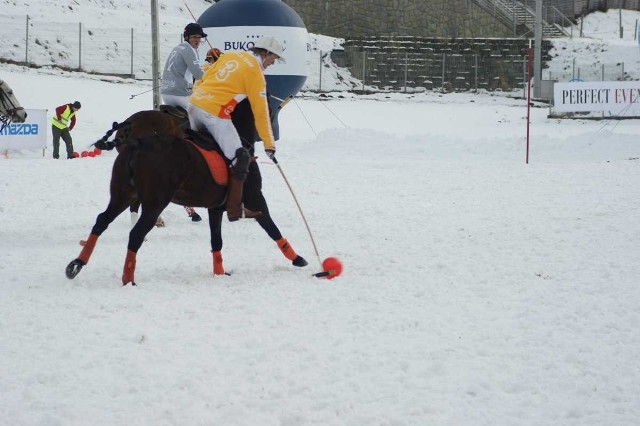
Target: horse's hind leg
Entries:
(122, 194)
(103, 221)
(133, 210)
(135, 207)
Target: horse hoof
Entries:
(300, 262)
(73, 268)
(196, 217)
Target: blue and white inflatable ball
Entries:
(237, 24)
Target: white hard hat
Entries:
(270, 44)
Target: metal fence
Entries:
(117, 51)
(411, 71)
(127, 52)
(590, 72)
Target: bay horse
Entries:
(10, 109)
(155, 169)
(156, 165)
(253, 198)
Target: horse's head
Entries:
(10, 109)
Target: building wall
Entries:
(453, 44)
(426, 18)
(430, 18)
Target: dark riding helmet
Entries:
(76, 105)
(192, 29)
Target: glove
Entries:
(271, 153)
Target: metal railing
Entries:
(514, 14)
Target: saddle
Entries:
(203, 140)
(178, 113)
(212, 154)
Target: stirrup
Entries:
(250, 214)
(244, 214)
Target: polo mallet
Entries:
(195, 20)
(331, 266)
(142, 93)
(283, 102)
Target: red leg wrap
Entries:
(286, 249)
(87, 248)
(218, 267)
(129, 268)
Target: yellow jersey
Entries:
(236, 75)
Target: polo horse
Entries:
(253, 198)
(155, 169)
(158, 164)
(10, 109)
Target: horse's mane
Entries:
(10, 108)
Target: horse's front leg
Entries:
(136, 237)
(215, 226)
(254, 200)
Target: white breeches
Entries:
(222, 129)
(176, 101)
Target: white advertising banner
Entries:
(617, 97)
(294, 42)
(32, 134)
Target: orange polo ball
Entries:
(333, 266)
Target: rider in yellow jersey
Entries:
(235, 76)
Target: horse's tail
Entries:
(108, 145)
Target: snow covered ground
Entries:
(477, 290)
(601, 52)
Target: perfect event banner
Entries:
(617, 97)
(32, 134)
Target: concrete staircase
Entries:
(522, 18)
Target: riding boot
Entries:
(235, 210)
(237, 175)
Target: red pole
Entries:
(529, 60)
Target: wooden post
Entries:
(320, 74)
(155, 54)
(530, 54)
(132, 75)
(80, 46)
(26, 50)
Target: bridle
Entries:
(8, 109)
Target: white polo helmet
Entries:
(271, 45)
